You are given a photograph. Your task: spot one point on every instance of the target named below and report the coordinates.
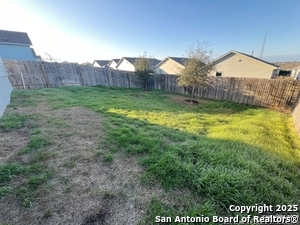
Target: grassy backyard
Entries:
(195, 159)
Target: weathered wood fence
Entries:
(280, 94)
(32, 75)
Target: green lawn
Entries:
(221, 153)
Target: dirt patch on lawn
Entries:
(181, 100)
(85, 188)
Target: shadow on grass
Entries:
(226, 172)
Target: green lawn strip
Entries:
(227, 172)
(223, 152)
(25, 98)
(163, 213)
(22, 179)
(31, 177)
(9, 122)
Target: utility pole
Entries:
(263, 46)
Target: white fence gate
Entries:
(5, 88)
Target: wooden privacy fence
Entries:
(280, 94)
(32, 75)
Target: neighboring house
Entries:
(101, 63)
(237, 64)
(295, 73)
(113, 63)
(127, 63)
(171, 65)
(16, 45)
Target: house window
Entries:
(218, 74)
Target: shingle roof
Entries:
(102, 62)
(115, 60)
(272, 64)
(180, 60)
(131, 59)
(14, 37)
(233, 51)
(153, 62)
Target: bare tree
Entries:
(197, 68)
(50, 58)
(143, 69)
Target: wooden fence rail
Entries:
(280, 94)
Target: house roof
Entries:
(250, 56)
(116, 60)
(113, 60)
(153, 62)
(14, 37)
(101, 62)
(179, 60)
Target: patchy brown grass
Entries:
(288, 65)
(85, 189)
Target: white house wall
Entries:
(169, 66)
(125, 65)
(238, 65)
(113, 65)
(96, 65)
(5, 88)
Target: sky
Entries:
(87, 30)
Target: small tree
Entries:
(197, 68)
(143, 69)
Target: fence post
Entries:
(108, 75)
(24, 86)
(45, 75)
(22, 78)
(128, 80)
(80, 75)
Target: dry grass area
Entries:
(288, 65)
(85, 189)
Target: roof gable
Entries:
(249, 56)
(14, 37)
(102, 62)
(113, 60)
(153, 62)
(179, 60)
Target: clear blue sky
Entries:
(85, 30)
